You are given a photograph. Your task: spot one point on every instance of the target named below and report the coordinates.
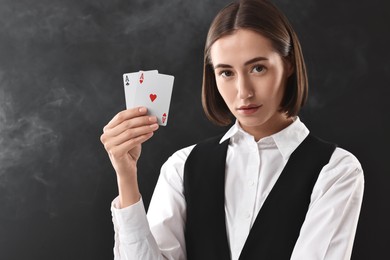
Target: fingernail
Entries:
(154, 126)
(142, 109)
(153, 119)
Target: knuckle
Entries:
(102, 138)
(130, 133)
(130, 123)
(107, 146)
(119, 116)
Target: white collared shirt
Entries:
(252, 169)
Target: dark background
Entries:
(61, 66)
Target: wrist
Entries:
(128, 189)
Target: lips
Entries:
(248, 109)
(250, 106)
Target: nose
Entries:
(244, 87)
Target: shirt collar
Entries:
(231, 132)
(286, 140)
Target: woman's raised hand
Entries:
(122, 138)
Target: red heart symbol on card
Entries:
(152, 97)
(164, 117)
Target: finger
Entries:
(125, 115)
(130, 134)
(125, 147)
(129, 124)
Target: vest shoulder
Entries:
(339, 154)
(212, 139)
(318, 139)
(209, 142)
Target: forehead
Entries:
(242, 45)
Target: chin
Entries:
(251, 122)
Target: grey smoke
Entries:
(22, 136)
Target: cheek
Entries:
(277, 86)
(227, 92)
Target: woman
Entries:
(267, 189)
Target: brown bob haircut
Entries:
(263, 17)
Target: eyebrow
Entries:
(245, 64)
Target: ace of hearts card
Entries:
(151, 90)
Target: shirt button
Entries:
(251, 183)
(248, 215)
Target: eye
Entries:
(258, 68)
(226, 73)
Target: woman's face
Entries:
(251, 78)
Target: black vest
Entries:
(277, 225)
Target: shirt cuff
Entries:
(130, 223)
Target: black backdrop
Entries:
(61, 66)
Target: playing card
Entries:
(131, 81)
(155, 94)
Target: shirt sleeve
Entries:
(133, 239)
(329, 228)
(160, 234)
